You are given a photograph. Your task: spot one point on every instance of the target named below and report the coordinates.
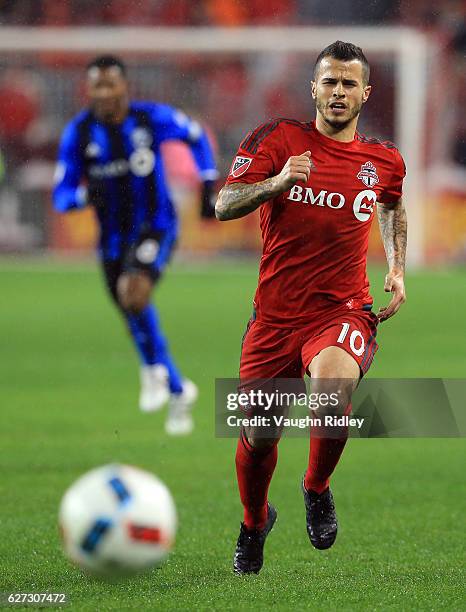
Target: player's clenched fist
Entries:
(297, 168)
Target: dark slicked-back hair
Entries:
(345, 52)
(107, 61)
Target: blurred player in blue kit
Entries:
(110, 158)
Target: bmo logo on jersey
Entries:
(141, 163)
(363, 205)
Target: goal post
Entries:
(407, 48)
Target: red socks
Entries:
(324, 454)
(254, 470)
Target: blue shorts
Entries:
(150, 254)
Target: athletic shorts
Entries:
(150, 254)
(276, 352)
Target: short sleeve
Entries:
(394, 189)
(67, 193)
(256, 158)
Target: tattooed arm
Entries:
(393, 228)
(240, 199)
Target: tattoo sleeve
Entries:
(393, 228)
(240, 199)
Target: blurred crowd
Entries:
(230, 12)
(184, 12)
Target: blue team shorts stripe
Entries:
(368, 354)
(371, 356)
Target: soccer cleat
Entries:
(154, 387)
(180, 421)
(321, 520)
(249, 553)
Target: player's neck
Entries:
(121, 113)
(344, 135)
(118, 115)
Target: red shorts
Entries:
(277, 352)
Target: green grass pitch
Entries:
(69, 385)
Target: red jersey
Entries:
(315, 236)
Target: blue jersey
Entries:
(119, 169)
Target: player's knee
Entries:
(262, 444)
(133, 292)
(335, 375)
(332, 396)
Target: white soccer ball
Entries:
(117, 520)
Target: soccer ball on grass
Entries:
(117, 520)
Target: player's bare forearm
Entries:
(394, 228)
(240, 199)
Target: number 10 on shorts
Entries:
(356, 339)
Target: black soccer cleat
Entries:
(249, 553)
(321, 519)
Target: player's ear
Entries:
(366, 93)
(313, 90)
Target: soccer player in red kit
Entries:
(318, 185)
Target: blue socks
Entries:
(152, 345)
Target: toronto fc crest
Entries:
(368, 174)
